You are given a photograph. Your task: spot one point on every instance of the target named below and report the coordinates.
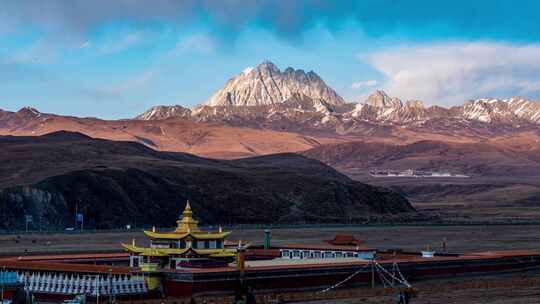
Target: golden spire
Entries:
(187, 211)
(187, 224)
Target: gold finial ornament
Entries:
(187, 210)
(187, 224)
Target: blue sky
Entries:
(115, 59)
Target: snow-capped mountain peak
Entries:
(29, 112)
(525, 109)
(247, 70)
(380, 107)
(266, 84)
(507, 110)
(379, 99)
(415, 104)
(165, 112)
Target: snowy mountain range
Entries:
(267, 97)
(304, 111)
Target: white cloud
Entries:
(450, 73)
(119, 90)
(363, 84)
(201, 43)
(39, 52)
(85, 44)
(124, 43)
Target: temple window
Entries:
(213, 244)
(182, 244)
(159, 244)
(207, 244)
(134, 261)
(219, 243)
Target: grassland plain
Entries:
(497, 289)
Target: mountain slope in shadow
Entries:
(119, 183)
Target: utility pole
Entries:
(110, 287)
(97, 289)
(27, 219)
(372, 273)
(2, 277)
(394, 268)
(79, 218)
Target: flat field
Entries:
(501, 199)
(459, 239)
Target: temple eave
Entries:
(164, 252)
(180, 236)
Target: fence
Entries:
(91, 285)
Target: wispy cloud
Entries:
(85, 44)
(201, 43)
(122, 92)
(363, 84)
(127, 41)
(450, 73)
(127, 86)
(39, 52)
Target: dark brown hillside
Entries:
(504, 182)
(119, 183)
(475, 159)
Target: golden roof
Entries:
(199, 235)
(187, 226)
(163, 252)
